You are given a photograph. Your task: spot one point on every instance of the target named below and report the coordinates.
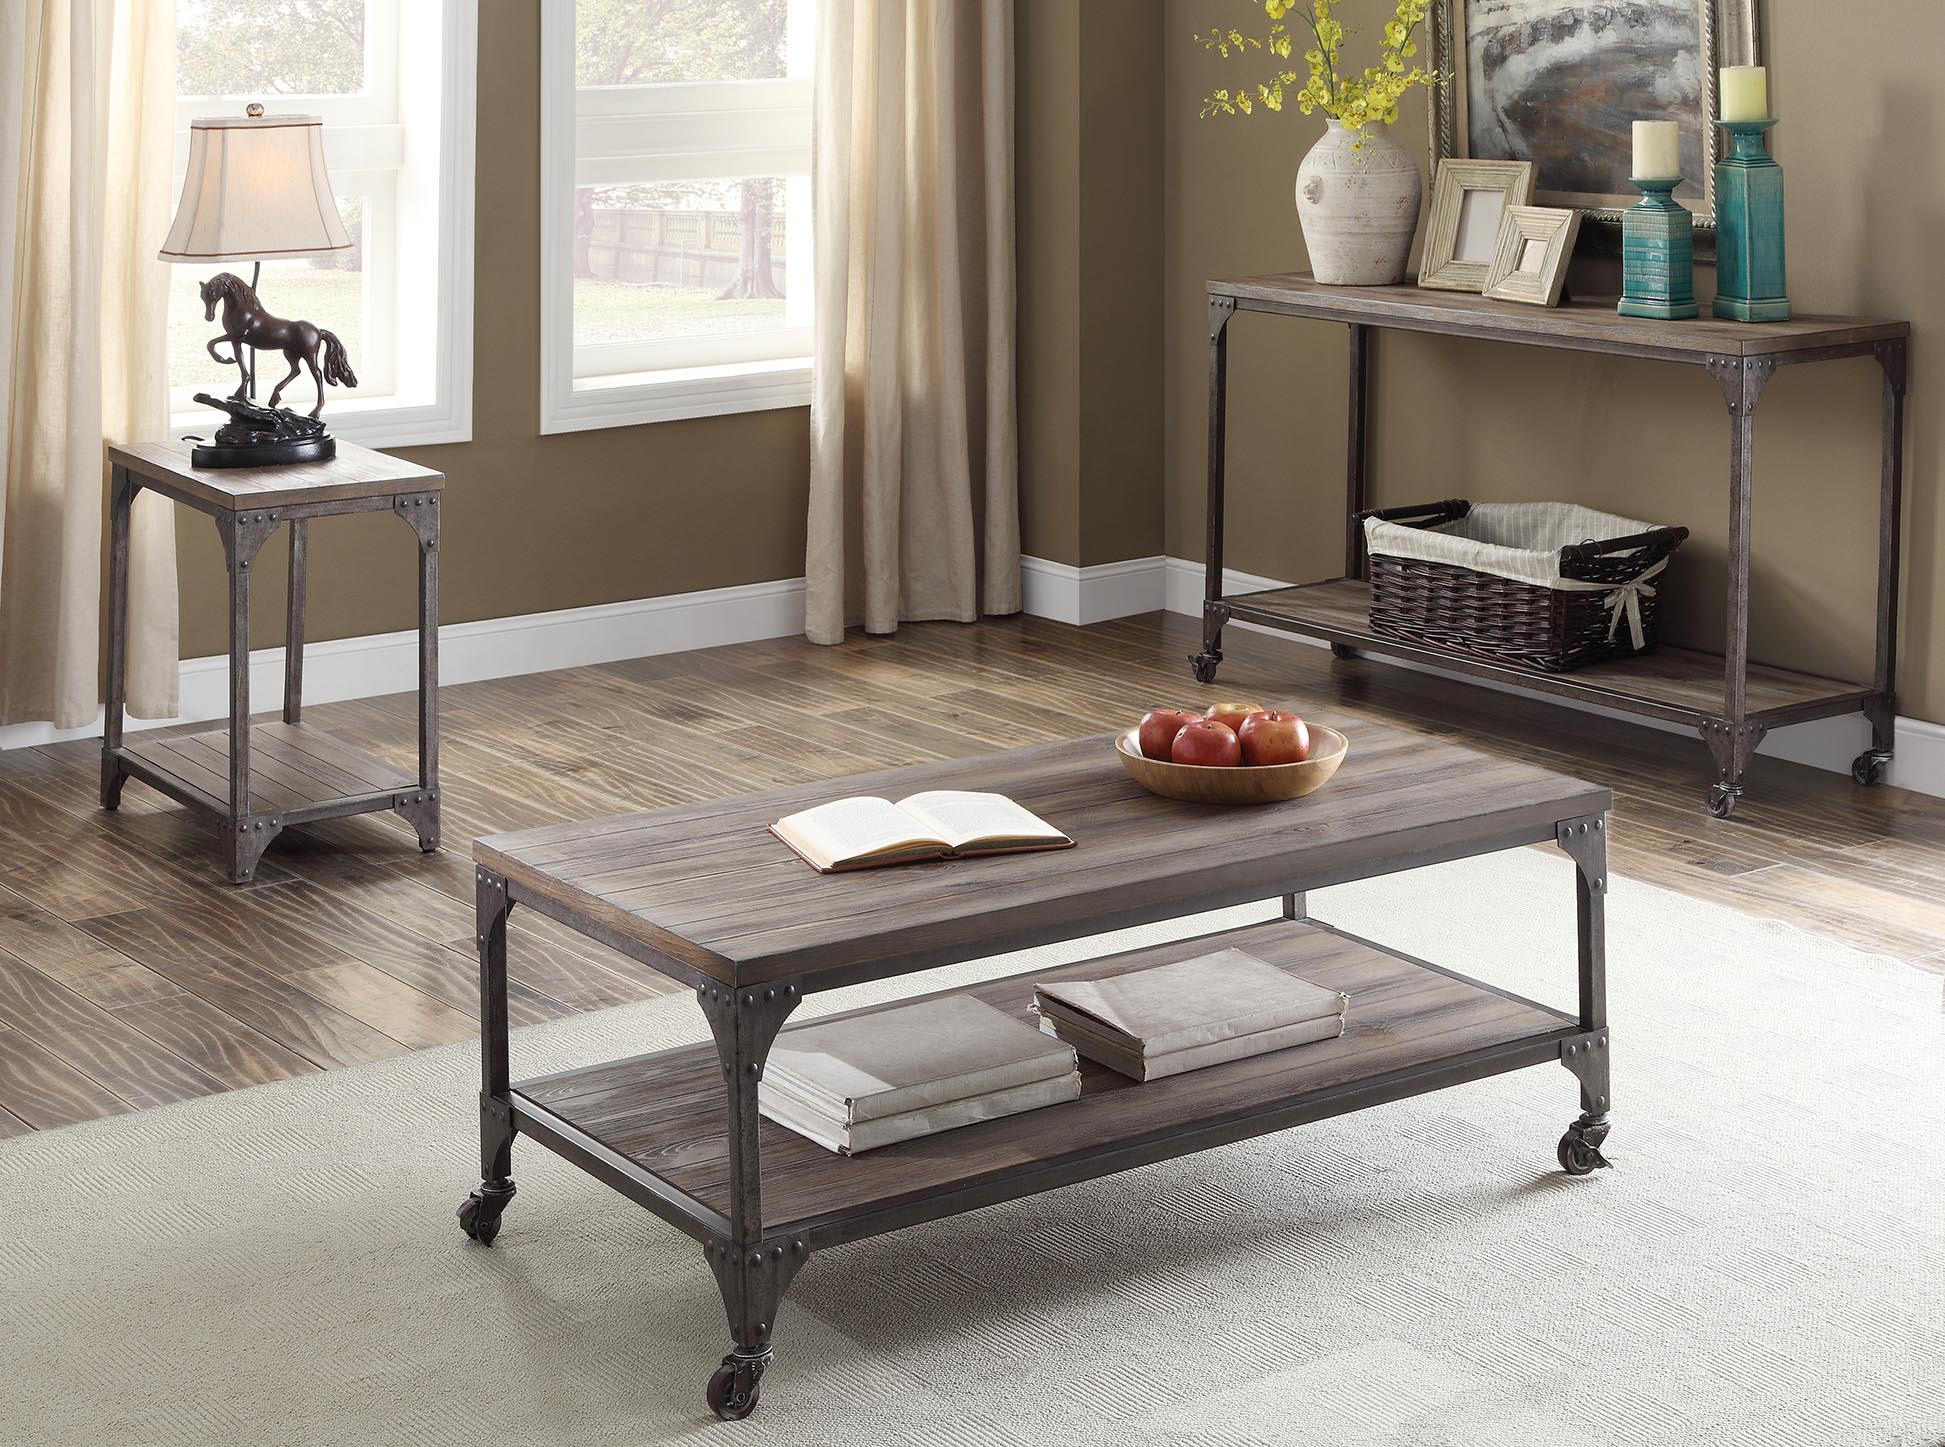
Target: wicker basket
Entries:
(1527, 584)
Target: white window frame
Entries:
(616, 135)
(406, 143)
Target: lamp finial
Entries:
(254, 110)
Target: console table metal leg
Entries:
(300, 549)
(1214, 613)
(121, 507)
(1871, 766)
(752, 1272)
(479, 1213)
(1585, 842)
(1357, 450)
(1733, 743)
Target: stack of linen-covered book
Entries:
(1165, 1019)
(862, 1081)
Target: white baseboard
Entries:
(503, 647)
(384, 663)
(1068, 594)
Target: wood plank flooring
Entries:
(131, 975)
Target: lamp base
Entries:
(261, 437)
(264, 454)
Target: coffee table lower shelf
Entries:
(653, 1126)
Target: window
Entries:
(398, 137)
(675, 209)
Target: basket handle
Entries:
(1656, 544)
(1420, 515)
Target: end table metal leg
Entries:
(480, 1212)
(1871, 766)
(247, 836)
(121, 507)
(300, 549)
(752, 1272)
(1585, 842)
(421, 511)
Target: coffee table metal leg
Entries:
(1585, 842)
(480, 1212)
(752, 1272)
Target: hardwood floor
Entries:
(132, 976)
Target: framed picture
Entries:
(1556, 82)
(1530, 254)
(1467, 201)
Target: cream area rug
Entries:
(1764, 1264)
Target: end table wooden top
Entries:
(355, 473)
(705, 891)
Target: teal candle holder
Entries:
(1749, 274)
(1658, 254)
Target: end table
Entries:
(260, 780)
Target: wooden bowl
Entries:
(1262, 784)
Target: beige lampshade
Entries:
(256, 188)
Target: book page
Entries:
(961, 818)
(847, 829)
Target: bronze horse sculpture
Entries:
(246, 323)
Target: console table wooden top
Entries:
(1587, 324)
(704, 891)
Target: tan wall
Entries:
(1090, 131)
(535, 523)
(1451, 417)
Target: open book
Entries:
(865, 832)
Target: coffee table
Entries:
(703, 893)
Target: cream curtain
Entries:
(87, 105)
(914, 509)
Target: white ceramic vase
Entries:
(1358, 206)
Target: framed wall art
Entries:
(1557, 82)
(1531, 253)
(1467, 201)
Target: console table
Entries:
(260, 779)
(1728, 700)
(704, 894)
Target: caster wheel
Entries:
(1580, 1148)
(1869, 768)
(1342, 650)
(479, 1214)
(733, 1392)
(1205, 665)
(1722, 801)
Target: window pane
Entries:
(328, 291)
(650, 42)
(270, 47)
(682, 259)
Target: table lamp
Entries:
(257, 189)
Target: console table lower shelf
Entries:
(652, 1126)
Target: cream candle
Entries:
(1657, 150)
(1745, 93)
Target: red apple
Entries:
(1159, 726)
(1231, 715)
(1208, 743)
(1274, 737)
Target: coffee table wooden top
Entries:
(355, 473)
(704, 891)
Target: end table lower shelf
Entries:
(298, 773)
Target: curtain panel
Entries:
(87, 106)
(914, 507)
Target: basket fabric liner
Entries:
(1522, 541)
